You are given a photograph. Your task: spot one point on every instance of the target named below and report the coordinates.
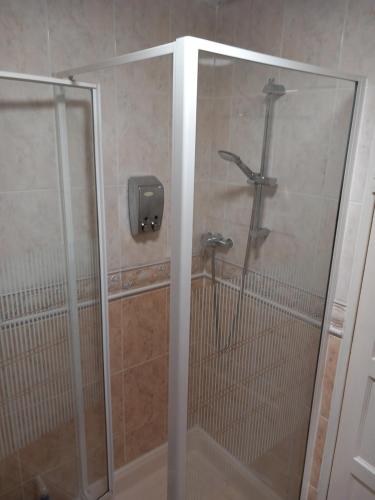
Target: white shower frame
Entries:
(185, 52)
(64, 168)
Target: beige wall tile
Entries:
(145, 393)
(108, 93)
(246, 133)
(15, 494)
(29, 220)
(115, 314)
(220, 128)
(95, 427)
(347, 254)
(204, 139)
(227, 20)
(143, 128)
(318, 452)
(192, 18)
(141, 24)
(250, 78)
(365, 143)
(339, 135)
(80, 138)
(80, 32)
(302, 127)
(261, 29)
(48, 452)
(113, 236)
(23, 36)
(64, 478)
(10, 473)
(117, 398)
(29, 491)
(151, 77)
(118, 450)
(358, 41)
(97, 466)
(273, 471)
(27, 137)
(84, 215)
(145, 438)
(313, 30)
(312, 493)
(144, 327)
(334, 344)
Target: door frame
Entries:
(359, 262)
(99, 188)
(358, 470)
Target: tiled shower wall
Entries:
(139, 373)
(43, 36)
(337, 34)
(307, 157)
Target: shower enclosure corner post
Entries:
(99, 185)
(185, 83)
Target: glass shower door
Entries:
(271, 146)
(53, 429)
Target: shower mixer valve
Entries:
(215, 240)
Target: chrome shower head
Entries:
(228, 156)
(252, 177)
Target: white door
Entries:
(353, 472)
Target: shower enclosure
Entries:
(256, 187)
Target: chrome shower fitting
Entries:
(215, 240)
(252, 177)
(274, 90)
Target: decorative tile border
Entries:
(138, 277)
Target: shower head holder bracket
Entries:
(264, 181)
(260, 233)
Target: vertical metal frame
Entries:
(99, 186)
(71, 278)
(353, 296)
(62, 140)
(185, 83)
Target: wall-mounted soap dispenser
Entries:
(146, 204)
